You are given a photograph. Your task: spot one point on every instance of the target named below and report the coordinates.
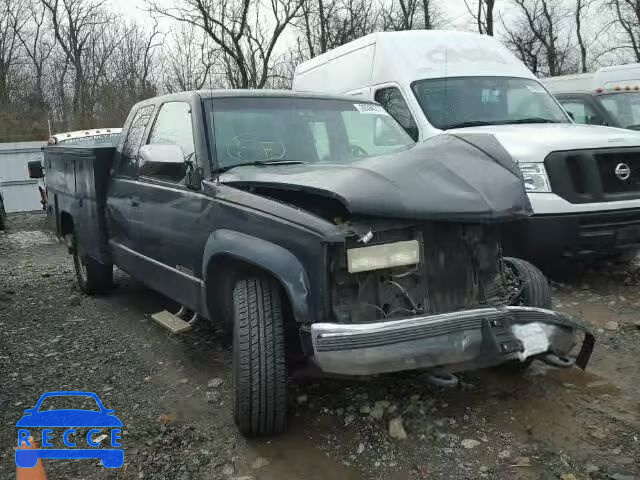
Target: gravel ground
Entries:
(173, 392)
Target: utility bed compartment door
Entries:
(77, 179)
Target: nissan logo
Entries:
(622, 171)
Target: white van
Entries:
(583, 181)
(610, 96)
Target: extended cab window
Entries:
(172, 127)
(392, 100)
(128, 159)
(276, 130)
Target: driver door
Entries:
(171, 232)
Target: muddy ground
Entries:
(173, 392)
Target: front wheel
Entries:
(93, 276)
(259, 368)
(533, 291)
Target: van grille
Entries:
(588, 176)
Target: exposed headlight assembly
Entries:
(535, 177)
(387, 255)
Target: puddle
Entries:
(26, 239)
(294, 456)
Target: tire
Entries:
(93, 276)
(259, 363)
(3, 216)
(535, 292)
(535, 288)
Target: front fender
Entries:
(278, 261)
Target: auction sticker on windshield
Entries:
(92, 431)
(370, 108)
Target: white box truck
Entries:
(583, 181)
(610, 96)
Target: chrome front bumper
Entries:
(454, 341)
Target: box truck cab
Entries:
(583, 181)
(610, 96)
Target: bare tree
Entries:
(482, 13)
(525, 45)
(12, 21)
(543, 21)
(327, 24)
(411, 14)
(627, 17)
(80, 30)
(187, 61)
(245, 33)
(38, 45)
(580, 9)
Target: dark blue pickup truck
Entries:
(315, 230)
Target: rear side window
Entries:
(392, 100)
(128, 160)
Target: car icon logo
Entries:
(622, 171)
(70, 419)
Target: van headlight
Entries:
(535, 177)
(387, 255)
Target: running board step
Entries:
(171, 322)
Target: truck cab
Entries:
(442, 82)
(610, 96)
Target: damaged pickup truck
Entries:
(316, 231)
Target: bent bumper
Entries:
(454, 341)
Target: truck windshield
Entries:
(470, 101)
(281, 130)
(624, 108)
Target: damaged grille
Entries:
(459, 269)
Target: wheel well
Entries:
(66, 224)
(222, 273)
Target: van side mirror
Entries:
(35, 169)
(570, 115)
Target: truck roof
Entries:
(406, 56)
(247, 93)
(606, 79)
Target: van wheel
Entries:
(259, 369)
(534, 292)
(93, 276)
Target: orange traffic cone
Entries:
(34, 473)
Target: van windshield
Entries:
(624, 108)
(280, 130)
(470, 101)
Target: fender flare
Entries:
(276, 260)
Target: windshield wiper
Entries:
(258, 163)
(473, 123)
(531, 120)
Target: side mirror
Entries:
(165, 162)
(35, 169)
(570, 115)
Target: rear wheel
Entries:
(93, 276)
(3, 216)
(259, 368)
(534, 291)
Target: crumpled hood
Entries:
(462, 178)
(533, 142)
